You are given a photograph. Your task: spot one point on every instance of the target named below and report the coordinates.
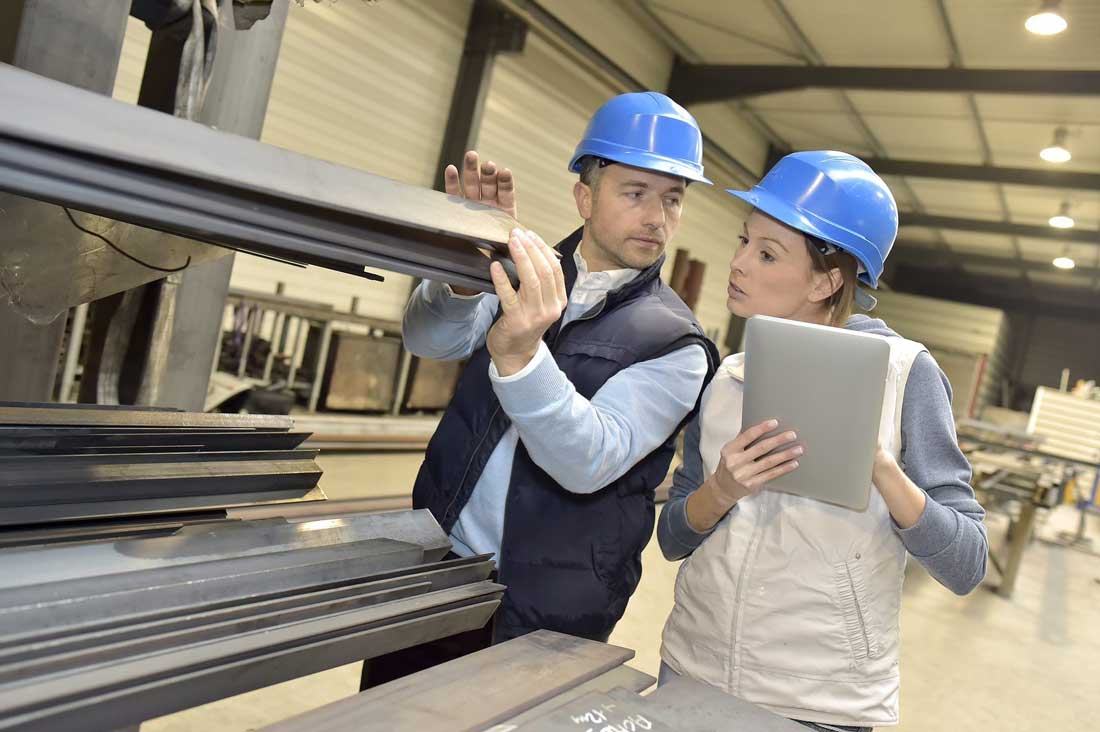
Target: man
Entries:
(564, 419)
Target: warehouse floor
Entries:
(968, 663)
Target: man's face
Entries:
(630, 214)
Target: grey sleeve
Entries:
(674, 534)
(949, 539)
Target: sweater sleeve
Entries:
(949, 538)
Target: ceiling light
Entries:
(1057, 152)
(1064, 263)
(1063, 220)
(1047, 21)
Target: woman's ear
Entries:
(583, 195)
(826, 284)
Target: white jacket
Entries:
(791, 603)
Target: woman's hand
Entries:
(744, 469)
(903, 497)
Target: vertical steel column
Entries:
(78, 43)
(236, 101)
(491, 30)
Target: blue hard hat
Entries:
(835, 197)
(646, 130)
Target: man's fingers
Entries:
(545, 271)
(489, 182)
(509, 300)
(451, 181)
(528, 276)
(471, 178)
(506, 191)
(555, 267)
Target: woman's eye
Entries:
(767, 257)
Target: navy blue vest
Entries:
(570, 561)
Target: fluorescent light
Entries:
(1057, 152)
(1064, 263)
(1048, 21)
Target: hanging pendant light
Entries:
(1063, 220)
(1057, 152)
(1047, 21)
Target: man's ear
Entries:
(583, 195)
(826, 284)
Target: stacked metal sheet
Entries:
(542, 682)
(101, 636)
(78, 471)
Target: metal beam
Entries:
(949, 286)
(917, 255)
(931, 221)
(986, 173)
(84, 415)
(697, 83)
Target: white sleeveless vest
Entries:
(791, 603)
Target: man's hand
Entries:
(483, 182)
(514, 339)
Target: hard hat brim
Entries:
(804, 221)
(638, 159)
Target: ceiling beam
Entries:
(918, 254)
(1033, 231)
(696, 83)
(949, 286)
(986, 173)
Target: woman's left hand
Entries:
(903, 497)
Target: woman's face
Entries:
(772, 274)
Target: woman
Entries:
(785, 601)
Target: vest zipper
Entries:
(859, 612)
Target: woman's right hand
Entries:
(746, 467)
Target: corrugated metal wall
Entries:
(959, 336)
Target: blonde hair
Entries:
(841, 301)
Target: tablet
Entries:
(826, 384)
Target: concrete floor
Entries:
(1031, 662)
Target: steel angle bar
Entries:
(417, 526)
(506, 679)
(45, 479)
(228, 541)
(102, 510)
(87, 186)
(128, 692)
(81, 606)
(45, 417)
(132, 641)
(287, 205)
(400, 584)
(45, 441)
(116, 528)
